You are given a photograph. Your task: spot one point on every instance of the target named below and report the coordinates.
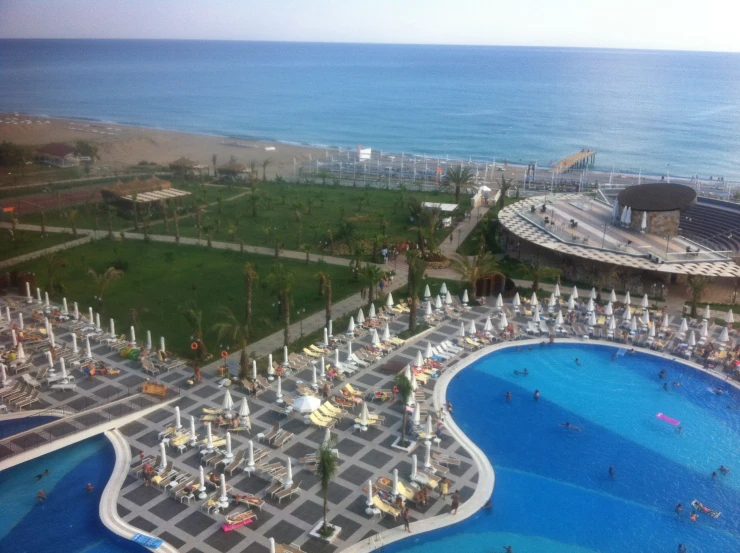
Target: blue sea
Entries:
(656, 111)
(553, 492)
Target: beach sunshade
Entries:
(369, 503)
(132, 330)
(633, 324)
(651, 331)
(417, 415)
(306, 404)
(322, 366)
(314, 378)
(590, 307)
(389, 300)
(285, 355)
(229, 454)
(427, 292)
(643, 223)
(704, 329)
(336, 358)
(162, 455)
(3, 375)
(559, 318)
(462, 329)
(351, 325)
(612, 324)
(386, 333)
(448, 298)
(724, 337)
(88, 350)
(227, 404)
(609, 310)
(615, 211)
(627, 299)
(551, 301)
(592, 319)
(664, 323)
(472, 329)
(488, 327)
(536, 313)
(516, 302)
(465, 298)
(414, 386)
(364, 414)
(707, 312)
(499, 301)
(376, 338)
(407, 372)
(428, 353)
(628, 218)
(692, 339)
(533, 299)
(645, 303)
(613, 296)
(683, 327)
(592, 294)
(428, 308)
(270, 367)
(360, 316)
(331, 328)
(371, 313)
(571, 303)
(326, 336)
(419, 360)
(14, 337)
(729, 317)
(557, 290)
(627, 312)
(503, 323)
(575, 292)
(20, 354)
(443, 289)
(438, 303)
(279, 393)
(243, 409)
(414, 466)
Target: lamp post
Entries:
(299, 314)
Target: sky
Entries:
(650, 24)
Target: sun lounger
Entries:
(235, 462)
(189, 480)
(271, 434)
(212, 504)
(287, 492)
(446, 459)
(321, 421)
(280, 441)
(385, 508)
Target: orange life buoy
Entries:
(224, 353)
(194, 345)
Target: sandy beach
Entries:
(125, 145)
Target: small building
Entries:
(58, 155)
(234, 170)
(149, 191)
(184, 166)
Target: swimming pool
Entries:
(553, 491)
(68, 521)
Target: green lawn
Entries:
(27, 241)
(471, 244)
(298, 214)
(161, 277)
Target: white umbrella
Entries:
(386, 333)
(724, 337)
(209, 436)
(91, 316)
(704, 330)
(149, 340)
(254, 370)
(427, 292)
(664, 323)
(202, 487)
(414, 467)
(428, 430)
(38, 295)
(503, 323)
(279, 390)
(3, 375)
(613, 296)
(64, 369)
(75, 348)
(407, 372)
(472, 329)
(289, 476)
(575, 292)
(609, 310)
(692, 339)
(590, 307)
(133, 334)
(178, 422)
(224, 498)
(465, 296)
(28, 292)
(557, 290)
(627, 312)
(20, 354)
(683, 326)
(628, 218)
(326, 336)
(438, 303)
(371, 313)
(7, 313)
(360, 316)
(369, 496)
(250, 459)
(394, 491)
(330, 328)
(314, 379)
(627, 299)
(428, 308)
(322, 366)
(428, 454)
(419, 360)
(612, 324)
(516, 302)
(244, 410)
(88, 351)
(46, 300)
(651, 332)
(97, 322)
(50, 361)
(414, 386)
(571, 303)
(14, 337)
(533, 299)
(417, 415)
(488, 327)
(559, 318)
(229, 454)
(448, 298)
(349, 351)
(351, 325)
(643, 223)
(193, 436)
(364, 416)
(707, 312)
(443, 289)
(52, 339)
(162, 455)
(462, 329)
(306, 404)
(499, 301)
(161, 344)
(112, 327)
(76, 312)
(389, 300)
(336, 358)
(536, 313)
(729, 317)
(592, 294)
(615, 211)
(285, 356)
(227, 404)
(551, 301)
(633, 324)
(428, 353)
(645, 303)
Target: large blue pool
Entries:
(553, 492)
(68, 521)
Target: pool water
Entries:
(68, 521)
(553, 492)
(10, 427)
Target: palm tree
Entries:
(325, 291)
(697, 284)
(280, 281)
(253, 174)
(146, 227)
(135, 312)
(214, 159)
(504, 189)
(194, 317)
(458, 177)
(358, 254)
(404, 393)
(54, 263)
(102, 281)
(111, 211)
(377, 241)
(198, 218)
(306, 248)
(326, 470)
(165, 213)
(538, 272)
(426, 226)
(250, 276)
(254, 199)
(71, 215)
(371, 277)
(176, 219)
(273, 239)
(237, 332)
(472, 271)
(416, 268)
(265, 163)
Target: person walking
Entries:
(406, 519)
(455, 501)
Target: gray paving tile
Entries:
(143, 524)
(150, 439)
(168, 508)
(132, 380)
(205, 391)
(348, 525)
(314, 545)
(284, 532)
(195, 523)
(377, 459)
(225, 541)
(309, 512)
(122, 511)
(133, 428)
(337, 493)
(349, 448)
(172, 539)
(356, 475)
(142, 495)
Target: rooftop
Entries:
(56, 149)
(657, 196)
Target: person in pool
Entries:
(536, 395)
(508, 549)
(611, 472)
(724, 470)
(571, 426)
(665, 386)
(676, 384)
(45, 473)
(679, 509)
(577, 362)
(508, 396)
(525, 372)
(662, 373)
(718, 391)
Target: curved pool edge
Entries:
(108, 509)
(487, 475)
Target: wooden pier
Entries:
(580, 160)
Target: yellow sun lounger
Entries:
(385, 507)
(321, 421)
(311, 353)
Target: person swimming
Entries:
(724, 470)
(571, 426)
(577, 362)
(611, 472)
(525, 372)
(662, 373)
(536, 395)
(508, 396)
(45, 473)
(676, 384)
(718, 391)
(679, 509)
(665, 386)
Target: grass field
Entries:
(306, 214)
(27, 241)
(159, 278)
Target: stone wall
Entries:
(661, 223)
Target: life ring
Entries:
(224, 353)
(194, 346)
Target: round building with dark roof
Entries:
(662, 204)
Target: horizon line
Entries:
(267, 41)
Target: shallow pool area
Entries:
(68, 521)
(553, 491)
